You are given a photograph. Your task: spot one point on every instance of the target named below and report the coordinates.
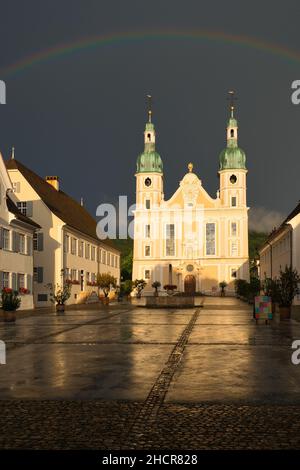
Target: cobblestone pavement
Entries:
(131, 378)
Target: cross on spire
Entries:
(149, 101)
(231, 98)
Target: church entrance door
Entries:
(190, 284)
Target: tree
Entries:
(126, 266)
(106, 281)
(156, 285)
(126, 287)
(139, 285)
(222, 286)
(288, 286)
(60, 294)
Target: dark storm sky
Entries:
(81, 116)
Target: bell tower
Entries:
(149, 169)
(232, 169)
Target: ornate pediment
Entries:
(190, 186)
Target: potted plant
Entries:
(105, 282)
(241, 288)
(222, 286)
(271, 289)
(287, 289)
(139, 285)
(59, 295)
(126, 287)
(10, 302)
(156, 285)
(170, 288)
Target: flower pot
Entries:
(170, 292)
(10, 316)
(60, 308)
(285, 313)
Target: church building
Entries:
(192, 240)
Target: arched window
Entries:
(231, 132)
(149, 137)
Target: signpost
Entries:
(263, 308)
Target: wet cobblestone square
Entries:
(128, 377)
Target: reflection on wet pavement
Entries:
(119, 353)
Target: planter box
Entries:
(170, 302)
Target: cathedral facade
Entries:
(192, 240)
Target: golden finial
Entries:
(190, 167)
(149, 98)
(232, 98)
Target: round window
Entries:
(190, 268)
(148, 182)
(233, 179)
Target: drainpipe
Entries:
(271, 259)
(291, 248)
(170, 274)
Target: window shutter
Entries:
(14, 281)
(40, 274)
(1, 237)
(17, 242)
(14, 241)
(29, 283)
(29, 208)
(29, 246)
(40, 243)
(1, 280)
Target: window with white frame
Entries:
(234, 248)
(170, 240)
(147, 250)
(74, 246)
(6, 239)
(66, 243)
(147, 274)
(74, 274)
(93, 253)
(233, 201)
(233, 229)
(103, 257)
(35, 241)
(210, 238)
(80, 249)
(148, 204)
(21, 281)
(108, 259)
(87, 251)
(147, 231)
(233, 273)
(87, 276)
(22, 243)
(22, 206)
(5, 278)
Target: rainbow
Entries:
(91, 42)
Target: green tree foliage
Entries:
(256, 240)
(106, 282)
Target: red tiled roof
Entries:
(62, 205)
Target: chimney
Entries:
(53, 180)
